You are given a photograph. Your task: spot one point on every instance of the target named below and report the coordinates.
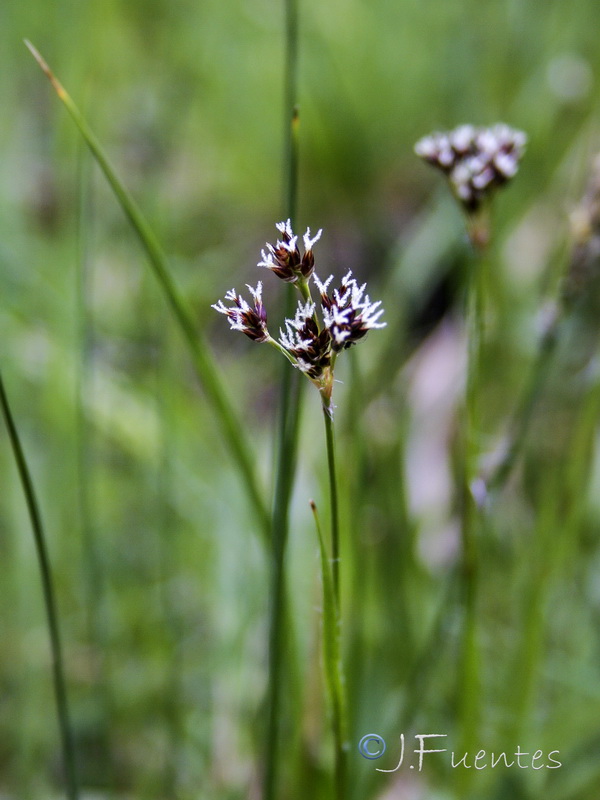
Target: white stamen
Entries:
(285, 227)
(256, 293)
(322, 287)
(267, 259)
(308, 242)
(289, 246)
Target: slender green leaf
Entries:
(60, 690)
(203, 361)
(332, 661)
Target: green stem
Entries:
(292, 359)
(333, 499)
(287, 444)
(169, 566)
(205, 366)
(49, 600)
(557, 532)
(332, 661)
(420, 677)
(279, 611)
(524, 412)
(290, 404)
(94, 579)
(469, 680)
(525, 669)
(290, 110)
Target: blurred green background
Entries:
(162, 578)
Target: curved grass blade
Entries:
(204, 364)
(60, 690)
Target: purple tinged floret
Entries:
(476, 161)
(251, 320)
(313, 338)
(284, 258)
(348, 313)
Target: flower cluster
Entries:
(311, 340)
(242, 317)
(306, 342)
(348, 313)
(475, 160)
(284, 259)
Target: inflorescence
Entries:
(312, 340)
(284, 259)
(475, 160)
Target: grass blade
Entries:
(290, 399)
(204, 364)
(332, 661)
(60, 690)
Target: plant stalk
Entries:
(333, 499)
(39, 536)
(287, 439)
(469, 689)
(204, 363)
(332, 661)
(524, 413)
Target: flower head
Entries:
(310, 346)
(475, 160)
(284, 258)
(312, 339)
(348, 313)
(251, 320)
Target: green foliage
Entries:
(161, 579)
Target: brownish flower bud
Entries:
(309, 346)
(251, 320)
(476, 161)
(284, 259)
(348, 313)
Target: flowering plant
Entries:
(310, 340)
(476, 162)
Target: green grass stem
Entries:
(333, 500)
(39, 536)
(290, 397)
(279, 612)
(169, 566)
(524, 412)
(206, 368)
(556, 535)
(92, 564)
(469, 689)
(332, 662)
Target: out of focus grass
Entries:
(164, 618)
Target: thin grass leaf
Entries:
(469, 701)
(290, 396)
(332, 661)
(60, 690)
(204, 363)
